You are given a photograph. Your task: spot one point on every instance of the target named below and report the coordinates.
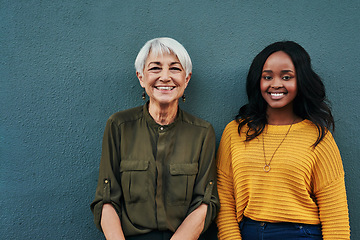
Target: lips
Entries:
(165, 88)
(276, 95)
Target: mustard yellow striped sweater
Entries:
(304, 185)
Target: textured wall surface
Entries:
(66, 66)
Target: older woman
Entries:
(157, 177)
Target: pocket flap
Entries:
(134, 166)
(184, 169)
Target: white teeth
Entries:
(277, 94)
(165, 88)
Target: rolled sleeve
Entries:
(205, 188)
(108, 189)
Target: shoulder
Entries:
(308, 131)
(231, 131)
(307, 125)
(233, 127)
(328, 142)
(127, 115)
(234, 124)
(190, 119)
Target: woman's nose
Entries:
(165, 75)
(276, 83)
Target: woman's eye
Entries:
(287, 77)
(175, 68)
(155, 69)
(267, 77)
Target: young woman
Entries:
(280, 174)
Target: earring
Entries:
(143, 96)
(183, 97)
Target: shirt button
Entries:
(262, 224)
(161, 128)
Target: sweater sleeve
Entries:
(330, 192)
(227, 220)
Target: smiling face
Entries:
(164, 79)
(278, 82)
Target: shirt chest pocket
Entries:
(134, 180)
(180, 184)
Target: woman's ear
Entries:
(187, 79)
(140, 77)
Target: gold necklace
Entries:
(267, 167)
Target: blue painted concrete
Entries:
(65, 66)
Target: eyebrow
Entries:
(283, 71)
(158, 63)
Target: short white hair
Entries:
(160, 46)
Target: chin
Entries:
(280, 106)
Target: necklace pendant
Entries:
(267, 168)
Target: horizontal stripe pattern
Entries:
(304, 185)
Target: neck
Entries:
(163, 114)
(282, 117)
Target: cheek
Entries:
(181, 81)
(263, 89)
(293, 88)
(263, 86)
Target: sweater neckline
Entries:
(283, 128)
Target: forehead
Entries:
(279, 59)
(161, 57)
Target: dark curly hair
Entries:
(310, 102)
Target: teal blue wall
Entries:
(65, 66)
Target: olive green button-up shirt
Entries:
(154, 175)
